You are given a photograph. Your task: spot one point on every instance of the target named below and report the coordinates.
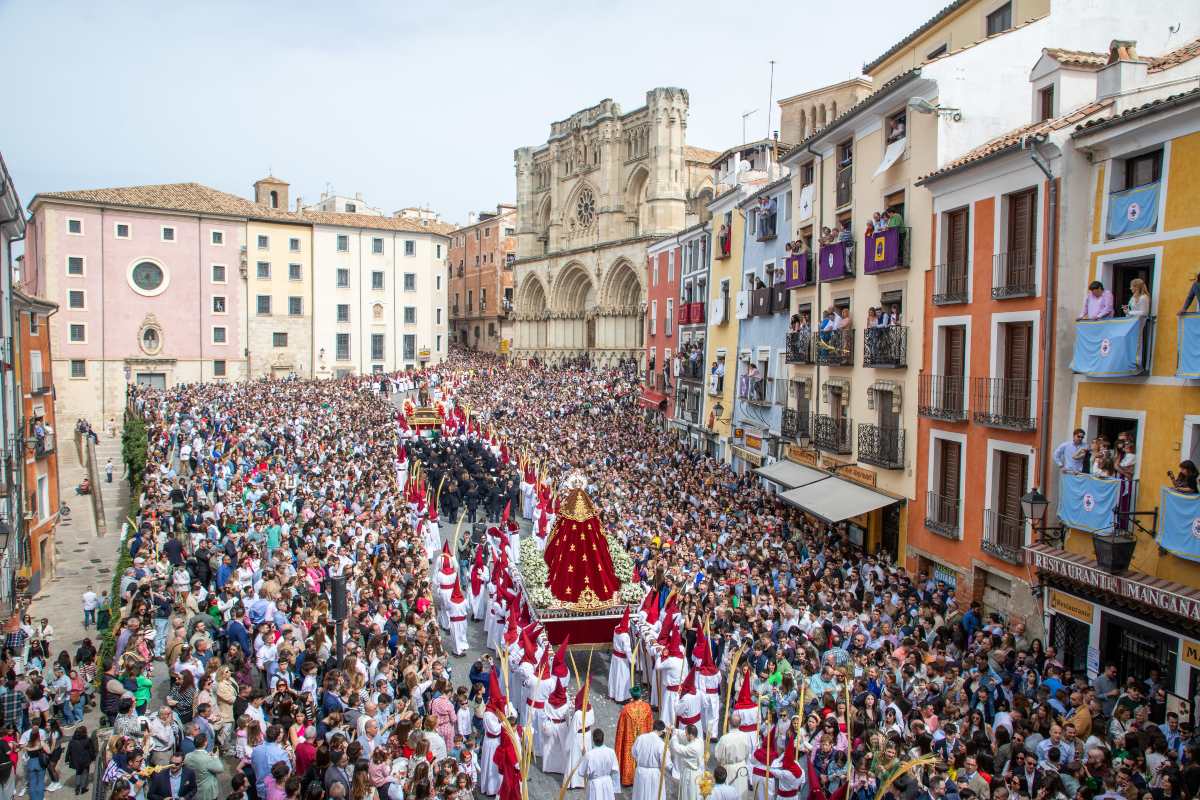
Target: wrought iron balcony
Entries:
(692, 370)
(835, 348)
(799, 348)
(41, 383)
(942, 397)
(43, 445)
(795, 423)
(941, 515)
(1003, 536)
(885, 347)
(756, 392)
(832, 434)
(1014, 274)
(950, 284)
(1004, 403)
(883, 447)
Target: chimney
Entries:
(358, 195)
(299, 204)
(1122, 75)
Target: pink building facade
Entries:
(663, 265)
(144, 296)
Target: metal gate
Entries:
(1070, 638)
(1136, 650)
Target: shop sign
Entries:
(1138, 592)
(1190, 652)
(946, 575)
(859, 475)
(748, 456)
(801, 456)
(1071, 606)
(753, 442)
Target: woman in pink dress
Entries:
(442, 709)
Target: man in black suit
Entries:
(177, 781)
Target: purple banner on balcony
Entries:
(882, 252)
(797, 271)
(834, 262)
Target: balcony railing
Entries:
(845, 185)
(766, 226)
(941, 515)
(780, 301)
(1133, 211)
(883, 447)
(760, 301)
(885, 347)
(716, 384)
(942, 397)
(835, 348)
(756, 392)
(692, 370)
(886, 251)
(799, 348)
(1014, 274)
(1003, 536)
(692, 314)
(794, 424)
(950, 284)
(836, 261)
(1004, 403)
(41, 382)
(43, 445)
(1120, 346)
(832, 434)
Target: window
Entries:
(75, 265)
(168, 234)
(122, 230)
(1143, 169)
(999, 20)
(438, 346)
(376, 279)
(342, 350)
(377, 347)
(410, 247)
(343, 278)
(670, 266)
(491, 329)
(343, 243)
(437, 283)
(219, 368)
(78, 368)
(218, 273)
(78, 332)
(508, 231)
(470, 299)
(343, 312)
(75, 227)
(218, 304)
(218, 238)
(264, 242)
(147, 278)
(1046, 103)
(670, 317)
(483, 299)
(377, 246)
(438, 251)
(279, 339)
(295, 306)
(410, 282)
(410, 346)
(940, 50)
(295, 272)
(218, 334)
(294, 245)
(653, 317)
(438, 316)
(351, 208)
(263, 304)
(75, 299)
(34, 324)
(263, 270)
(410, 315)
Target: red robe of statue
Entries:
(577, 558)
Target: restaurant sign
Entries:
(801, 456)
(1137, 591)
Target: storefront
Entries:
(1136, 621)
(747, 447)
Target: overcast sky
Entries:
(407, 103)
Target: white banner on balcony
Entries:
(891, 155)
(805, 206)
(743, 305)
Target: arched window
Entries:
(274, 199)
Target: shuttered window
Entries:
(951, 453)
(956, 241)
(1012, 484)
(1021, 216)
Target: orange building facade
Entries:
(480, 265)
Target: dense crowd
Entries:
(257, 496)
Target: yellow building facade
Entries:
(277, 267)
(724, 284)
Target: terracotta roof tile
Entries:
(1138, 111)
(1077, 58)
(912, 37)
(1012, 139)
(691, 153)
(376, 222)
(1175, 57)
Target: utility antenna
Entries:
(745, 117)
(771, 99)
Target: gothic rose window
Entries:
(585, 209)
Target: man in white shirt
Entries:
(1069, 455)
(90, 603)
(162, 737)
(600, 770)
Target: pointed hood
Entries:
(665, 631)
(767, 753)
(623, 625)
(447, 566)
(789, 758)
(433, 511)
(702, 655)
(512, 633)
(558, 697)
(505, 515)
(456, 595)
(650, 606)
(559, 668)
(744, 700)
(689, 683)
(543, 668)
(582, 692)
(675, 648)
(497, 702)
(529, 655)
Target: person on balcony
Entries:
(1126, 463)
(827, 236)
(1098, 455)
(845, 234)
(1071, 455)
(1193, 294)
(1139, 299)
(1097, 303)
(874, 225)
(895, 219)
(1185, 481)
(897, 130)
(894, 318)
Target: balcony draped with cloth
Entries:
(796, 271)
(886, 251)
(1133, 211)
(1189, 347)
(1089, 503)
(1179, 527)
(836, 261)
(1110, 347)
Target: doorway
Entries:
(155, 380)
(1070, 639)
(889, 531)
(1136, 649)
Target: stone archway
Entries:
(531, 307)
(575, 294)
(637, 210)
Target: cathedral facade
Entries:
(589, 201)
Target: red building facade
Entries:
(663, 265)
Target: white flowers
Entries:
(534, 573)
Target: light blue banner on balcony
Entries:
(1086, 502)
(1108, 346)
(1179, 528)
(1189, 346)
(1133, 211)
